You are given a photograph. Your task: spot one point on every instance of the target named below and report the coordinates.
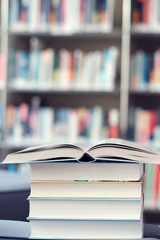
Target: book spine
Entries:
(156, 185)
(13, 15)
(24, 114)
(44, 14)
(148, 202)
(113, 120)
(146, 12)
(10, 120)
(34, 15)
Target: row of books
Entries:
(64, 69)
(152, 187)
(87, 197)
(35, 124)
(145, 71)
(66, 16)
(145, 15)
(144, 126)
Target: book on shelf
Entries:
(113, 120)
(74, 189)
(148, 200)
(61, 17)
(156, 186)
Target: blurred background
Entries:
(80, 71)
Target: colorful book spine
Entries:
(152, 187)
(156, 185)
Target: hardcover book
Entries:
(117, 149)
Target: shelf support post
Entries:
(125, 66)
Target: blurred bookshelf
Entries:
(78, 67)
(144, 92)
(78, 64)
(3, 59)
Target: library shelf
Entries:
(147, 34)
(141, 29)
(145, 94)
(116, 33)
(63, 92)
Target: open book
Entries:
(115, 149)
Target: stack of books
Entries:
(94, 194)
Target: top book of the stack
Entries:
(108, 150)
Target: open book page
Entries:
(122, 143)
(48, 147)
(111, 148)
(65, 151)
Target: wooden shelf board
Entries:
(101, 34)
(65, 92)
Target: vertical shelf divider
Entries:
(125, 59)
(4, 51)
